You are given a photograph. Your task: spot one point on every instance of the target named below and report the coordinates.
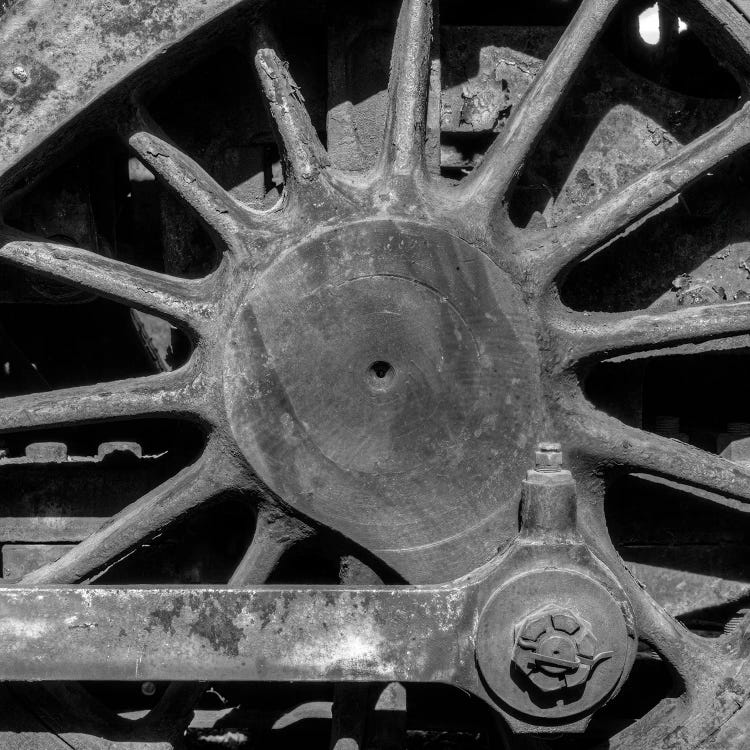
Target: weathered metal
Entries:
(51, 86)
(557, 649)
(376, 354)
(548, 457)
(236, 634)
(544, 672)
(365, 634)
(536, 655)
(434, 341)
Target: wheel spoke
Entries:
(182, 302)
(635, 450)
(488, 184)
(303, 156)
(174, 394)
(699, 668)
(173, 713)
(730, 31)
(275, 533)
(688, 654)
(186, 179)
(168, 503)
(685, 652)
(615, 214)
(403, 147)
(608, 335)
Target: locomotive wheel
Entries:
(376, 355)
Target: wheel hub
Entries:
(568, 652)
(386, 372)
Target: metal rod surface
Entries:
(266, 633)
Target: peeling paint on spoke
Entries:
(186, 303)
(613, 443)
(403, 149)
(488, 184)
(304, 157)
(170, 394)
(599, 336)
(192, 185)
(615, 213)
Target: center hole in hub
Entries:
(380, 375)
(380, 369)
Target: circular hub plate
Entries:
(382, 379)
(566, 590)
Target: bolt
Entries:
(148, 688)
(556, 649)
(548, 457)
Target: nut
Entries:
(548, 457)
(556, 649)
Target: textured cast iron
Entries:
(456, 305)
(463, 633)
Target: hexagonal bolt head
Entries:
(555, 649)
(548, 457)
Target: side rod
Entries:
(400, 634)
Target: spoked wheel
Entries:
(376, 352)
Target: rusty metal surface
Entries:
(367, 634)
(234, 634)
(381, 350)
